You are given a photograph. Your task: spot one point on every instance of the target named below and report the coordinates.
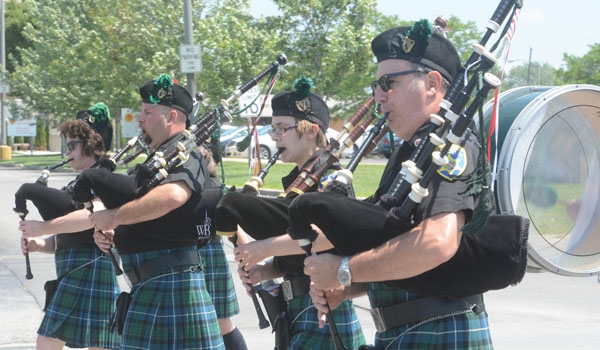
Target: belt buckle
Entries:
(378, 320)
(286, 288)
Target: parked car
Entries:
(229, 135)
(267, 145)
(384, 146)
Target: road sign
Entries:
(4, 88)
(190, 59)
(25, 127)
(247, 100)
(129, 123)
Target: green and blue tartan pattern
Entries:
(84, 301)
(171, 310)
(219, 282)
(453, 332)
(306, 334)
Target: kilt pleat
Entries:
(170, 311)
(306, 333)
(219, 282)
(84, 301)
(459, 331)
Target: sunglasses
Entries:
(71, 145)
(280, 130)
(384, 81)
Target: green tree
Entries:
(16, 17)
(581, 70)
(84, 51)
(235, 48)
(463, 36)
(329, 41)
(534, 73)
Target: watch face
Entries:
(344, 277)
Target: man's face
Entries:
(406, 99)
(152, 120)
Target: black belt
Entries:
(423, 309)
(295, 287)
(155, 266)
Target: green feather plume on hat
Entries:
(164, 81)
(420, 32)
(100, 113)
(302, 87)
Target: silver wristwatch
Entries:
(344, 276)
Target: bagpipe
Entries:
(492, 255)
(263, 217)
(51, 202)
(124, 156)
(116, 189)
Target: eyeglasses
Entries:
(280, 130)
(384, 81)
(71, 145)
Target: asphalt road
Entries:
(545, 311)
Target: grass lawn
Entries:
(366, 176)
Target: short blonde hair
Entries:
(305, 126)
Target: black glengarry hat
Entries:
(163, 91)
(302, 104)
(98, 118)
(418, 44)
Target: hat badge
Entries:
(301, 105)
(407, 44)
(161, 93)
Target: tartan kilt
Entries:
(219, 282)
(461, 331)
(84, 301)
(305, 331)
(171, 310)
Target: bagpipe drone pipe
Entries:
(492, 253)
(117, 189)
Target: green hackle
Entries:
(163, 81)
(302, 87)
(100, 112)
(420, 32)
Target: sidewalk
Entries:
(21, 310)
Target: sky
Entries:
(545, 29)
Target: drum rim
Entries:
(513, 140)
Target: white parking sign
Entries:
(190, 59)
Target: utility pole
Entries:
(529, 65)
(189, 39)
